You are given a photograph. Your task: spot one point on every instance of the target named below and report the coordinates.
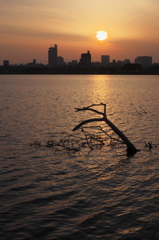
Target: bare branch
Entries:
(118, 140)
(89, 109)
(85, 122)
(93, 110)
(131, 150)
(87, 140)
(95, 105)
(143, 110)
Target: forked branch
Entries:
(131, 150)
(89, 108)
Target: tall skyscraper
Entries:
(85, 60)
(52, 55)
(105, 59)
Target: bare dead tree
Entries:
(131, 149)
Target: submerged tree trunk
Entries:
(131, 150)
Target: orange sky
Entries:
(28, 28)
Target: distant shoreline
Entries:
(137, 74)
(128, 69)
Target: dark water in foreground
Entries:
(99, 194)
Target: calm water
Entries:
(99, 194)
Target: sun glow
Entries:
(101, 35)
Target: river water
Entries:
(49, 193)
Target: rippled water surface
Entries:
(100, 194)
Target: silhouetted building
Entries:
(6, 63)
(52, 56)
(95, 64)
(126, 61)
(85, 60)
(105, 60)
(34, 61)
(60, 61)
(119, 63)
(114, 63)
(73, 63)
(144, 60)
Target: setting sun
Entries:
(101, 35)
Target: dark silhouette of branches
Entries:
(86, 139)
(131, 149)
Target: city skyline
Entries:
(85, 58)
(28, 28)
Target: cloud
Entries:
(154, 2)
(18, 31)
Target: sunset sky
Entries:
(29, 28)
